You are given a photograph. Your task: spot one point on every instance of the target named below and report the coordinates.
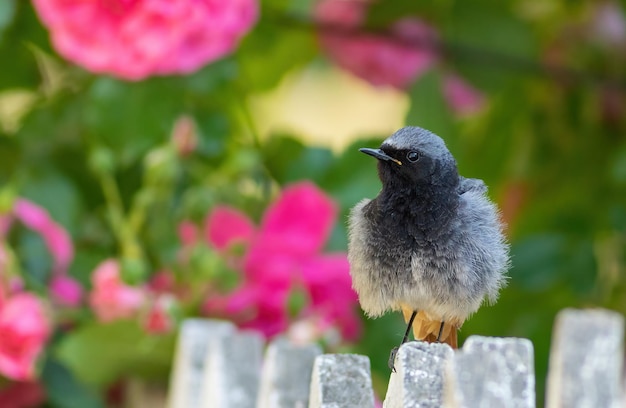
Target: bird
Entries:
(431, 244)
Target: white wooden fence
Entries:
(218, 366)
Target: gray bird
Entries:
(431, 244)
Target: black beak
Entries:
(380, 155)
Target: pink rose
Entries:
(461, 96)
(56, 238)
(24, 330)
(162, 282)
(22, 395)
(188, 233)
(282, 255)
(380, 60)
(111, 299)
(408, 49)
(332, 298)
(133, 39)
(4, 263)
(256, 305)
(608, 25)
(159, 318)
(5, 225)
(66, 291)
(240, 229)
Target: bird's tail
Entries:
(427, 329)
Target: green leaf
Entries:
(36, 259)
(130, 118)
(21, 31)
(383, 13)
(270, 51)
(544, 261)
(10, 156)
(65, 391)
(214, 133)
(279, 154)
(499, 138)
(98, 354)
(56, 193)
(618, 168)
(488, 44)
(7, 12)
(536, 261)
(353, 176)
(428, 106)
(297, 300)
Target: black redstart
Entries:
(431, 243)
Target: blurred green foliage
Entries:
(95, 151)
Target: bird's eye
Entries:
(413, 156)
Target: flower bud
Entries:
(134, 270)
(161, 316)
(184, 135)
(7, 198)
(66, 291)
(161, 166)
(101, 160)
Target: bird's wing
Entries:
(470, 184)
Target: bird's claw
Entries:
(392, 359)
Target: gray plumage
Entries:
(431, 240)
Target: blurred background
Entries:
(147, 149)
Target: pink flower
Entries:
(382, 61)
(462, 97)
(188, 233)
(328, 281)
(66, 291)
(4, 262)
(282, 255)
(22, 395)
(608, 25)
(111, 299)
(299, 222)
(184, 136)
(24, 330)
(256, 306)
(56, 238)
(133, 39)
(162, 282)
(294, 229)
(159, 318)
(240, 229)
(5, 225)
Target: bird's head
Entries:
(413, 156)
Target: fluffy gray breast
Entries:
(380, 264)
(375, 240)
(466, 264)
